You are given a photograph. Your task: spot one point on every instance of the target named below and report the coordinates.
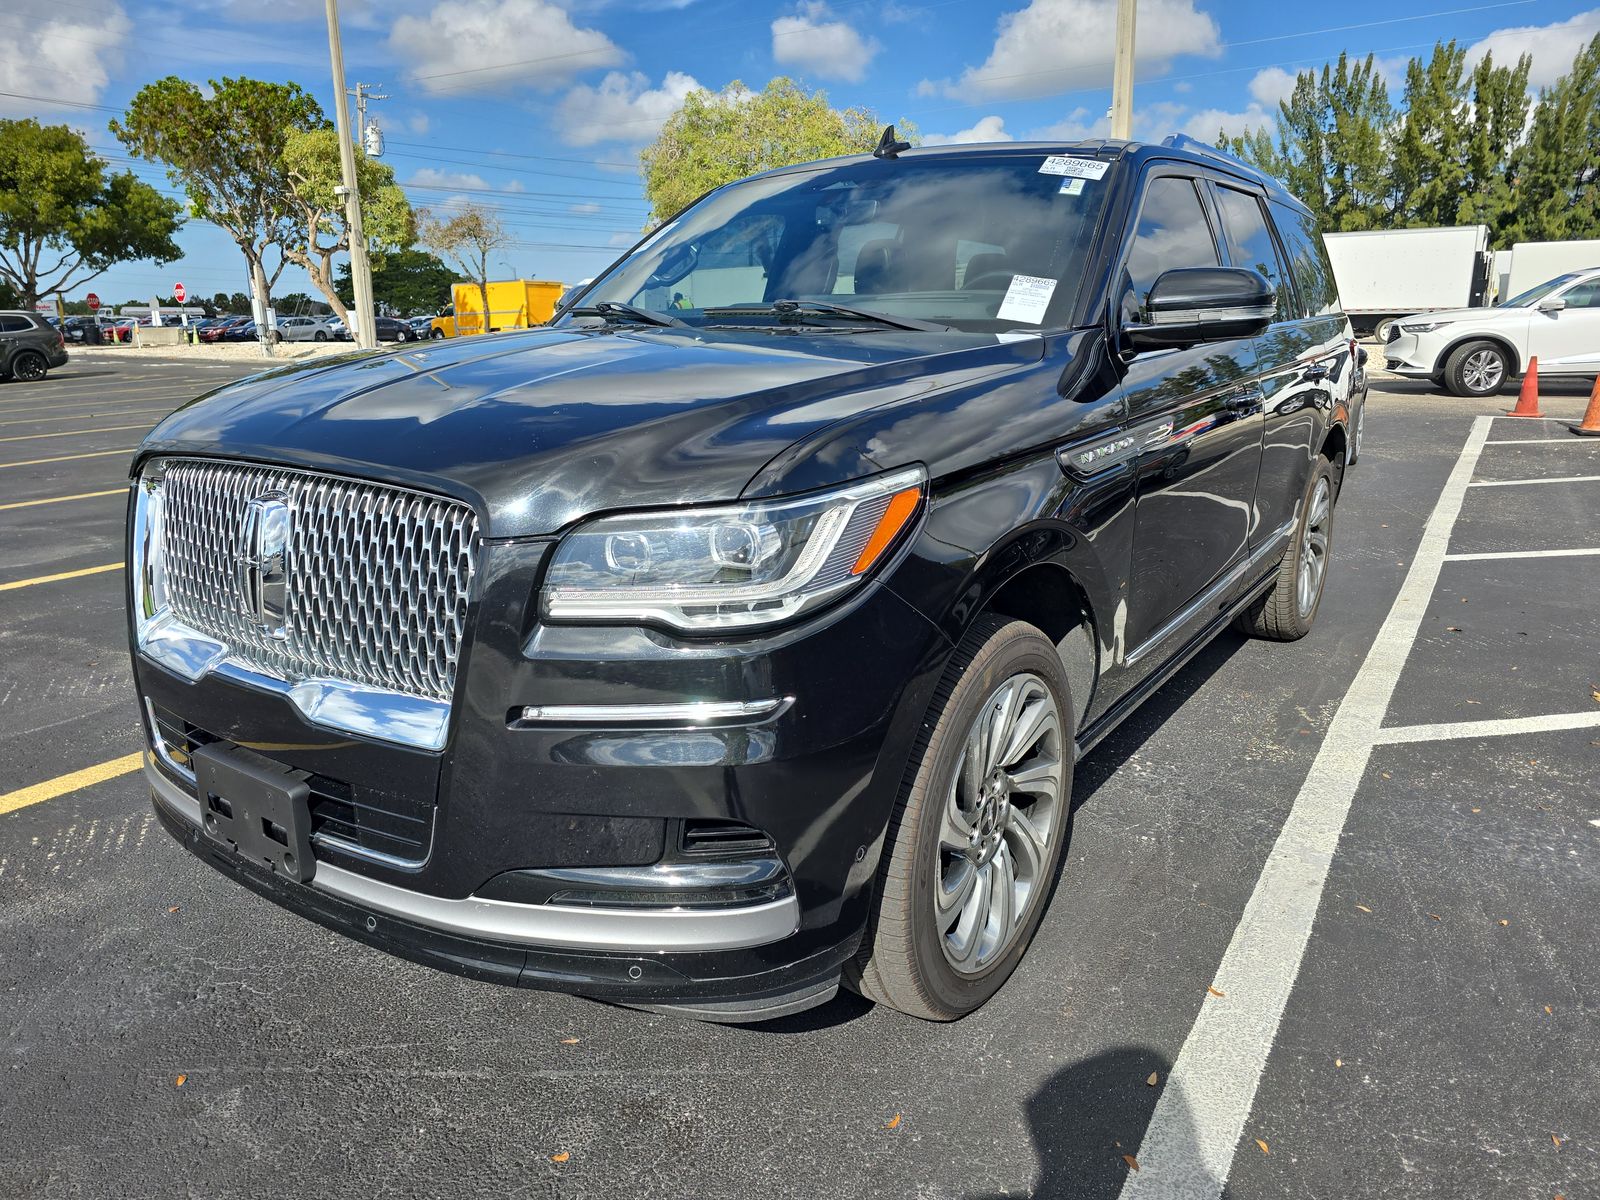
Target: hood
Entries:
(541, 428)
(1461, 316)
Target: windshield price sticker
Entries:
(1026, 299)
(1077, 168)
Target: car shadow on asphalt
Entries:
(1086, 1117)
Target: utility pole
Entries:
(362, 93)
(1122, 72)
(360, 271)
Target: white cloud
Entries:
(1074, 127)
(1553, 46)
(1207, 122)
(418, 123)
(987, 129)
(584, 210)
(624, 108)
(1052, 45)
(514, 186)
(828, 49)
(46, 54)
(1183, 85)
(498, 45)
(1270, 86)
(428, 177)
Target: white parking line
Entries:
(1484, 556)
(1397, 735)
(1566, 441)
(1525, 482)
(1188, 1148)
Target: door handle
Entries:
(1243, 401)
(1316, 373)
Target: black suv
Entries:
(736, 635)
(29, 346)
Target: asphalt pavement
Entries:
(1335, 898)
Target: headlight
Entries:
(730, 567)
(149, 566)
(1425, 326)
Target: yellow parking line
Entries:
(121, 491)
(86, 402)
(88, 416)
(22, 583)
(34, 462)
(62, 784)
(28, 437)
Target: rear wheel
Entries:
(1287, 611)
(978, 833)
(321, 335)
(437, 334)
(1476, 369)
(29, 366)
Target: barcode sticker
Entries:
(1077, 168)
(1027, 298)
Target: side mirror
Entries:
(1552, 304)
(1361, 356)
(1190, 305)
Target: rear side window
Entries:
(1308, 261)
(1172, 232)
(14, 324)
(1250, 244)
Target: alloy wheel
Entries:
(28, 367)
(1314, 548)
(1004, 809)
(1483, 371)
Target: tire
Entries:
(1476, 369)
(1358, 425)
(1381, 329)
(437, 335)
(1003, 671)
(320, 336)
(1289, 609)
(29, 366)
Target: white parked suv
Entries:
(1473, 351)
(306, 329)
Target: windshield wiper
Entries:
(788, 307)
(630, 312)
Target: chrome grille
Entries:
(378, 577)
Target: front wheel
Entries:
(29, 366)
(1476, 369)
(978, 833)
(1287, 611)
(437, 335)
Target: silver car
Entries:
(306, 329)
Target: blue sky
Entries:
(539, 107)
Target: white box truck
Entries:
(1532, 263)
(1383, 274)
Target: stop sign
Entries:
(177, 293)
(94, 302)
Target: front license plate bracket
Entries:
(256, 807)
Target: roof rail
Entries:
(1182, 141)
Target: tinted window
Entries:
(1308, 261)
(1585, 295)
(936, 238)
(1172, 232)
(1244, 228)
(14, 324)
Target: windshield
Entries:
(988, 243)
(1535, 294)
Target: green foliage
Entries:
(312, 168)
(225, 148)
(1461, 150)
(467, 236)
(64, 220)
(406, 282)
(717, 137)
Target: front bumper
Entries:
(1411, 355)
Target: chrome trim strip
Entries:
(329, 703)
(1273, 544)
(688, 712)
(548, 925)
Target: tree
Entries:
(469, 236)
(717, 137)
(226, 149)
(1430, 150)
(312, 167)
(58, 203)
(1557, 169)
(405, 281)
(1499, 114)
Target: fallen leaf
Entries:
(1133, 1163)
(1338, 1062)
(1452, 629)
(1154, 1079)
(173, 909)
(179, 1082)
(1505, 922)
(1363, 908)
(1477, 810)
(560, 1158)
(1596, 696)
(1386, 774)
(1436, 916)
(1474, 701)
(1263, 1146)
(1214, 991)
(1556, 1140)
(569, 1041)
(1548, 1011)
(893, 1122)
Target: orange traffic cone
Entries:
(1528, 398)
(1591, 419)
